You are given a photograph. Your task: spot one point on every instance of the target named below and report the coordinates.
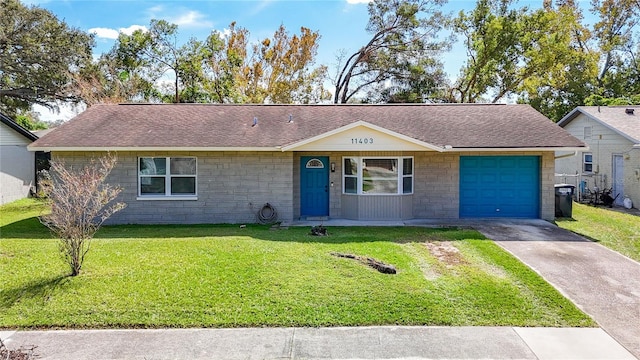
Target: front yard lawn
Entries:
(615, 230)
(225, 276)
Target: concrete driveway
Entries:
(601, 282)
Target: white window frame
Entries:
(585, 162)
(167, 182)
(359, 182)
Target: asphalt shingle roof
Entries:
(615, 117)
(224, 125)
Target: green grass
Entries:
(224, 276)
(615, 230)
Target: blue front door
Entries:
(314, 186)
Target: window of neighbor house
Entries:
(167, 176)
(587, 162)
(377, 175)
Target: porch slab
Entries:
(464, 223)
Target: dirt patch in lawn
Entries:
(446, 253)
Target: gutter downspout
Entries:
(566, 155)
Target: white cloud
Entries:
(224, 33)
(107, 33)
(155, 9)
(129, 30)
(104, 33)
(359, 1)
(190, 18)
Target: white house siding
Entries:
(632, 176)
(604, 143)
(231, 186)
(17, 166)
(436, 185)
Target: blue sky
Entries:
(341, 23)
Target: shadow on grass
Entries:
(29, 228)
(39, 289)
(558, 221)
(337, 235)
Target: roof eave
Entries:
(149, 148)
(570, 116)
(528, 149)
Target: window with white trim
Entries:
(587, 162)
(167, 176)
(377, 175)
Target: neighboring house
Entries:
(613, 158)
(17, 164)
(205, 163)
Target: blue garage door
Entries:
(500, 186)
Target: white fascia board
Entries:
(292, 147)
(570, 116)
(586, 148)
(71, 148)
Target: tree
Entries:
(423, 82)
(597, 100)
(227, 56)
(112, 80)
(30, 122)
(222, 68)
(614, 34)
(403, 35)
(279, 70)
(603, 61)
(81, 201)
(156, 50)
(514, 50)
(38, 55)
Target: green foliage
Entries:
(515, 50)
(218, 69)
(548, 57)
(38, 56)
(403, 50)
(27, 122)
(224, 276)
(593, 100)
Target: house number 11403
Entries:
(361, 140)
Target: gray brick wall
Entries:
(232, 187)
(436, 190)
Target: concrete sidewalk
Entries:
(384, 342)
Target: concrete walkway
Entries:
(384, 342)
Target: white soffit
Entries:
(361, 136)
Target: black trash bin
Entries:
(564, 200)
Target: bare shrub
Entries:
(80, 203)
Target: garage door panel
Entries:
(500, 186)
